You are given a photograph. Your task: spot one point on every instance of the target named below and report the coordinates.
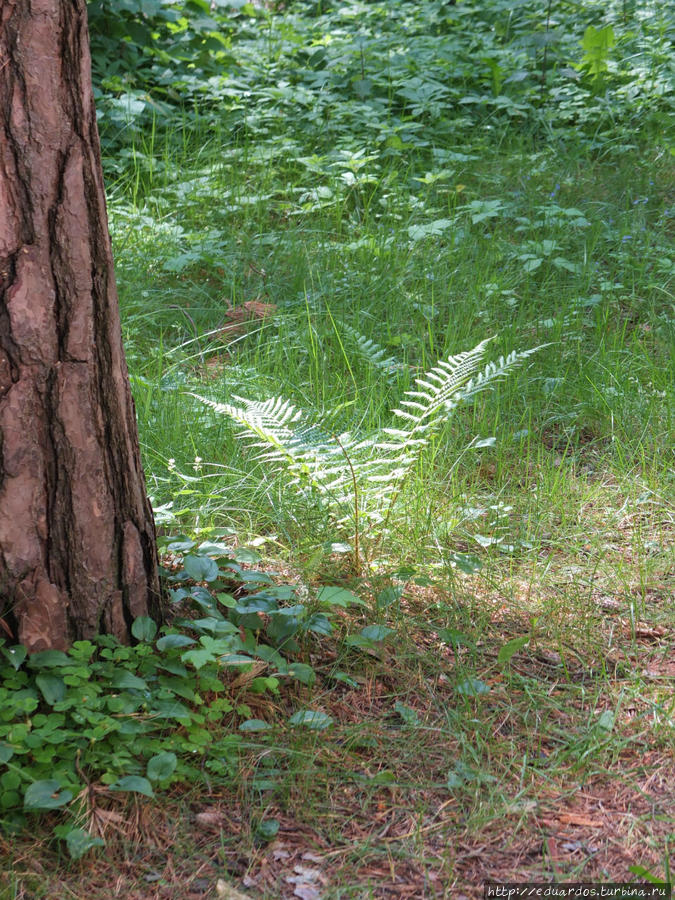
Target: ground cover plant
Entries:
(318, 202)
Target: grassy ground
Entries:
(444, 766)
(262, 267)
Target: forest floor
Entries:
(558, 767)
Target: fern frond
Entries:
(362, 476)
(277, 428)
(494, 372)
(371, 351)
(449, 383)
(438, 385)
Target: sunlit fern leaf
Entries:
(492, 373)
(438, 385)
(276, 428)
(449, 383)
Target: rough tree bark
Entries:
(77, 540)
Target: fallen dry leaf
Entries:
(247, 312)
(554, 856)
(607, 603)
(578, 819)
(307, 891)
(225, 891)
(306, 881)
(209, 819)
(652, 632)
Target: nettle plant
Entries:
(359, 478)
(79, 728)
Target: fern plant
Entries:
(359, 478)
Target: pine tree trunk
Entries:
(77, 540)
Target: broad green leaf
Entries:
(255, 578)
(605, 721)
(214, 625)
(144, 628)
(454, 637)
(390, 595)
(430, 229)
(180, 545)
(263, 684)
(318, 624)
(201, 568)
(472, 687)
(561, 263)
(345, 679)
(454, 781)
(171, 641)
(408, 715)
(302, 673)
(161, 766)
(171, 709)
(216, 549)
(123, 679)
(52, 687)
(234, 659)
(267, 830)
(78, 840)
(647, 875)
(597, 42)
(532, 264)
(337, 596)
(487, 540)
(512, 647)
(15, 655)
(465, 562)
(198, 658)
(246, 556)
(383, 777)
(9, 799)
(46, 794)
(133, 784)
(312, 719)
(358, 640)
(254, 725)
(48, 658)
(463, 774)
(376, 632)
(6, 752)
(11, 779)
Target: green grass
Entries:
(602, 387)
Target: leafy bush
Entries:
(105, 718)
(464, 67)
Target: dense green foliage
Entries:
(165, 710)
(397, 76)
